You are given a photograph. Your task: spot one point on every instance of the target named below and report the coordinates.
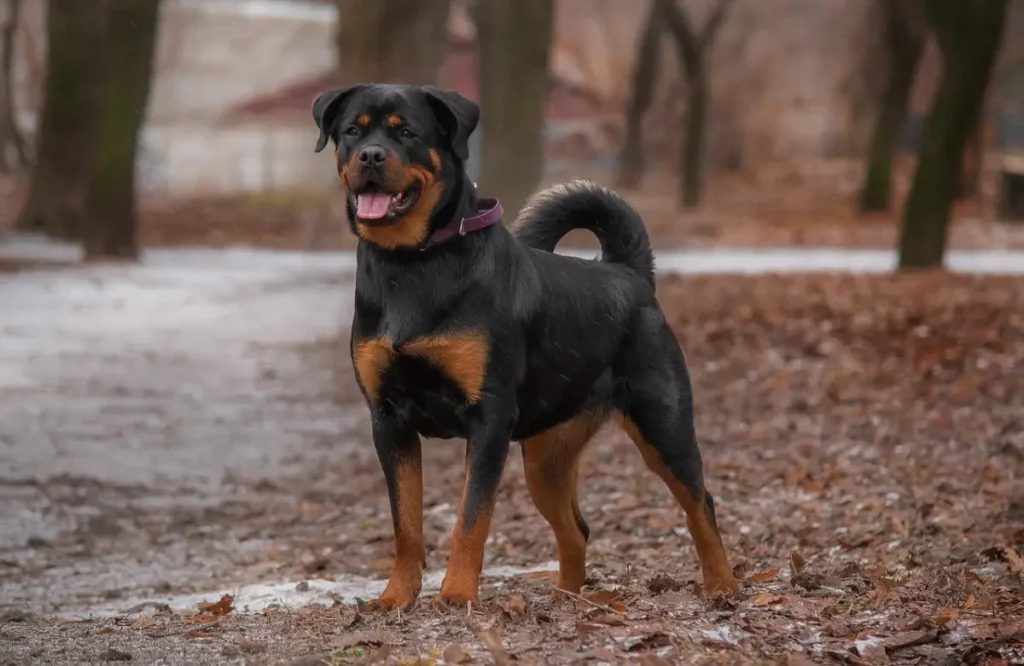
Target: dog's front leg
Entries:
(398, 448)
(486, 451)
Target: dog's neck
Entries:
(461, 203)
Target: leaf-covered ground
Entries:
(864, 438)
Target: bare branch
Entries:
(682, 31)
(707, 35)
(693, 46)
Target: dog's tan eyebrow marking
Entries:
(364, 119)
(394, 120)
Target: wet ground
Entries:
(134, 397)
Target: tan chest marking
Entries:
(370, 358)
(462, 357)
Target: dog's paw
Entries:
(721, 588)
(449, 599)
(391, 600)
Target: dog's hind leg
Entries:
(550, 461)
(658, 416)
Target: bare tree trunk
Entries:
(56, 200)
(128, 54)
(974, 154)
(693, 48)
(696, 132)
(514, 38)
(10, 134)
(645, 74)
(905, 41)
(969, 35)
(1010, 198)
(392, 41)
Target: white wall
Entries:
(199, 160)
(215, 54)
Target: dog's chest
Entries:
(390, 370)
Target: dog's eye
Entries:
(352, 131)
(406, 134)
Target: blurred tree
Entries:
(56, 197)
(514, 38)
(109, 230)
(974, 153)
(11, 139)
(645, 74)
(905, 35)
(392, 41)
(969, 35)
(693, 48)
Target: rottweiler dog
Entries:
(464, 328)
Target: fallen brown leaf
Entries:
(764, 576)
(610, 619)
(910, 639)
(201, 618)
(765, 599)
(590, 628)
(223, 606)
(603, 597)
(946, 615)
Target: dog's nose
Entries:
(372, 156)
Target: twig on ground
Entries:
(578, 597)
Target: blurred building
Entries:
(235, 78)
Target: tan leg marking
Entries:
(406, 574)
(718, 576)
(550, 461)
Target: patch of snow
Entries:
(725, 633)
(703, 261)
(251, 599)
(865, 644)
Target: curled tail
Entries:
(580, 204)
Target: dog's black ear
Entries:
(326, 108)
(457, 115)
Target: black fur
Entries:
(566, 335)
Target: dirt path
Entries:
(133, 399)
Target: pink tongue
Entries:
(372, 205)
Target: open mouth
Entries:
(374, 204)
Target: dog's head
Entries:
(400, 155)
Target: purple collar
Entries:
(489, 211)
